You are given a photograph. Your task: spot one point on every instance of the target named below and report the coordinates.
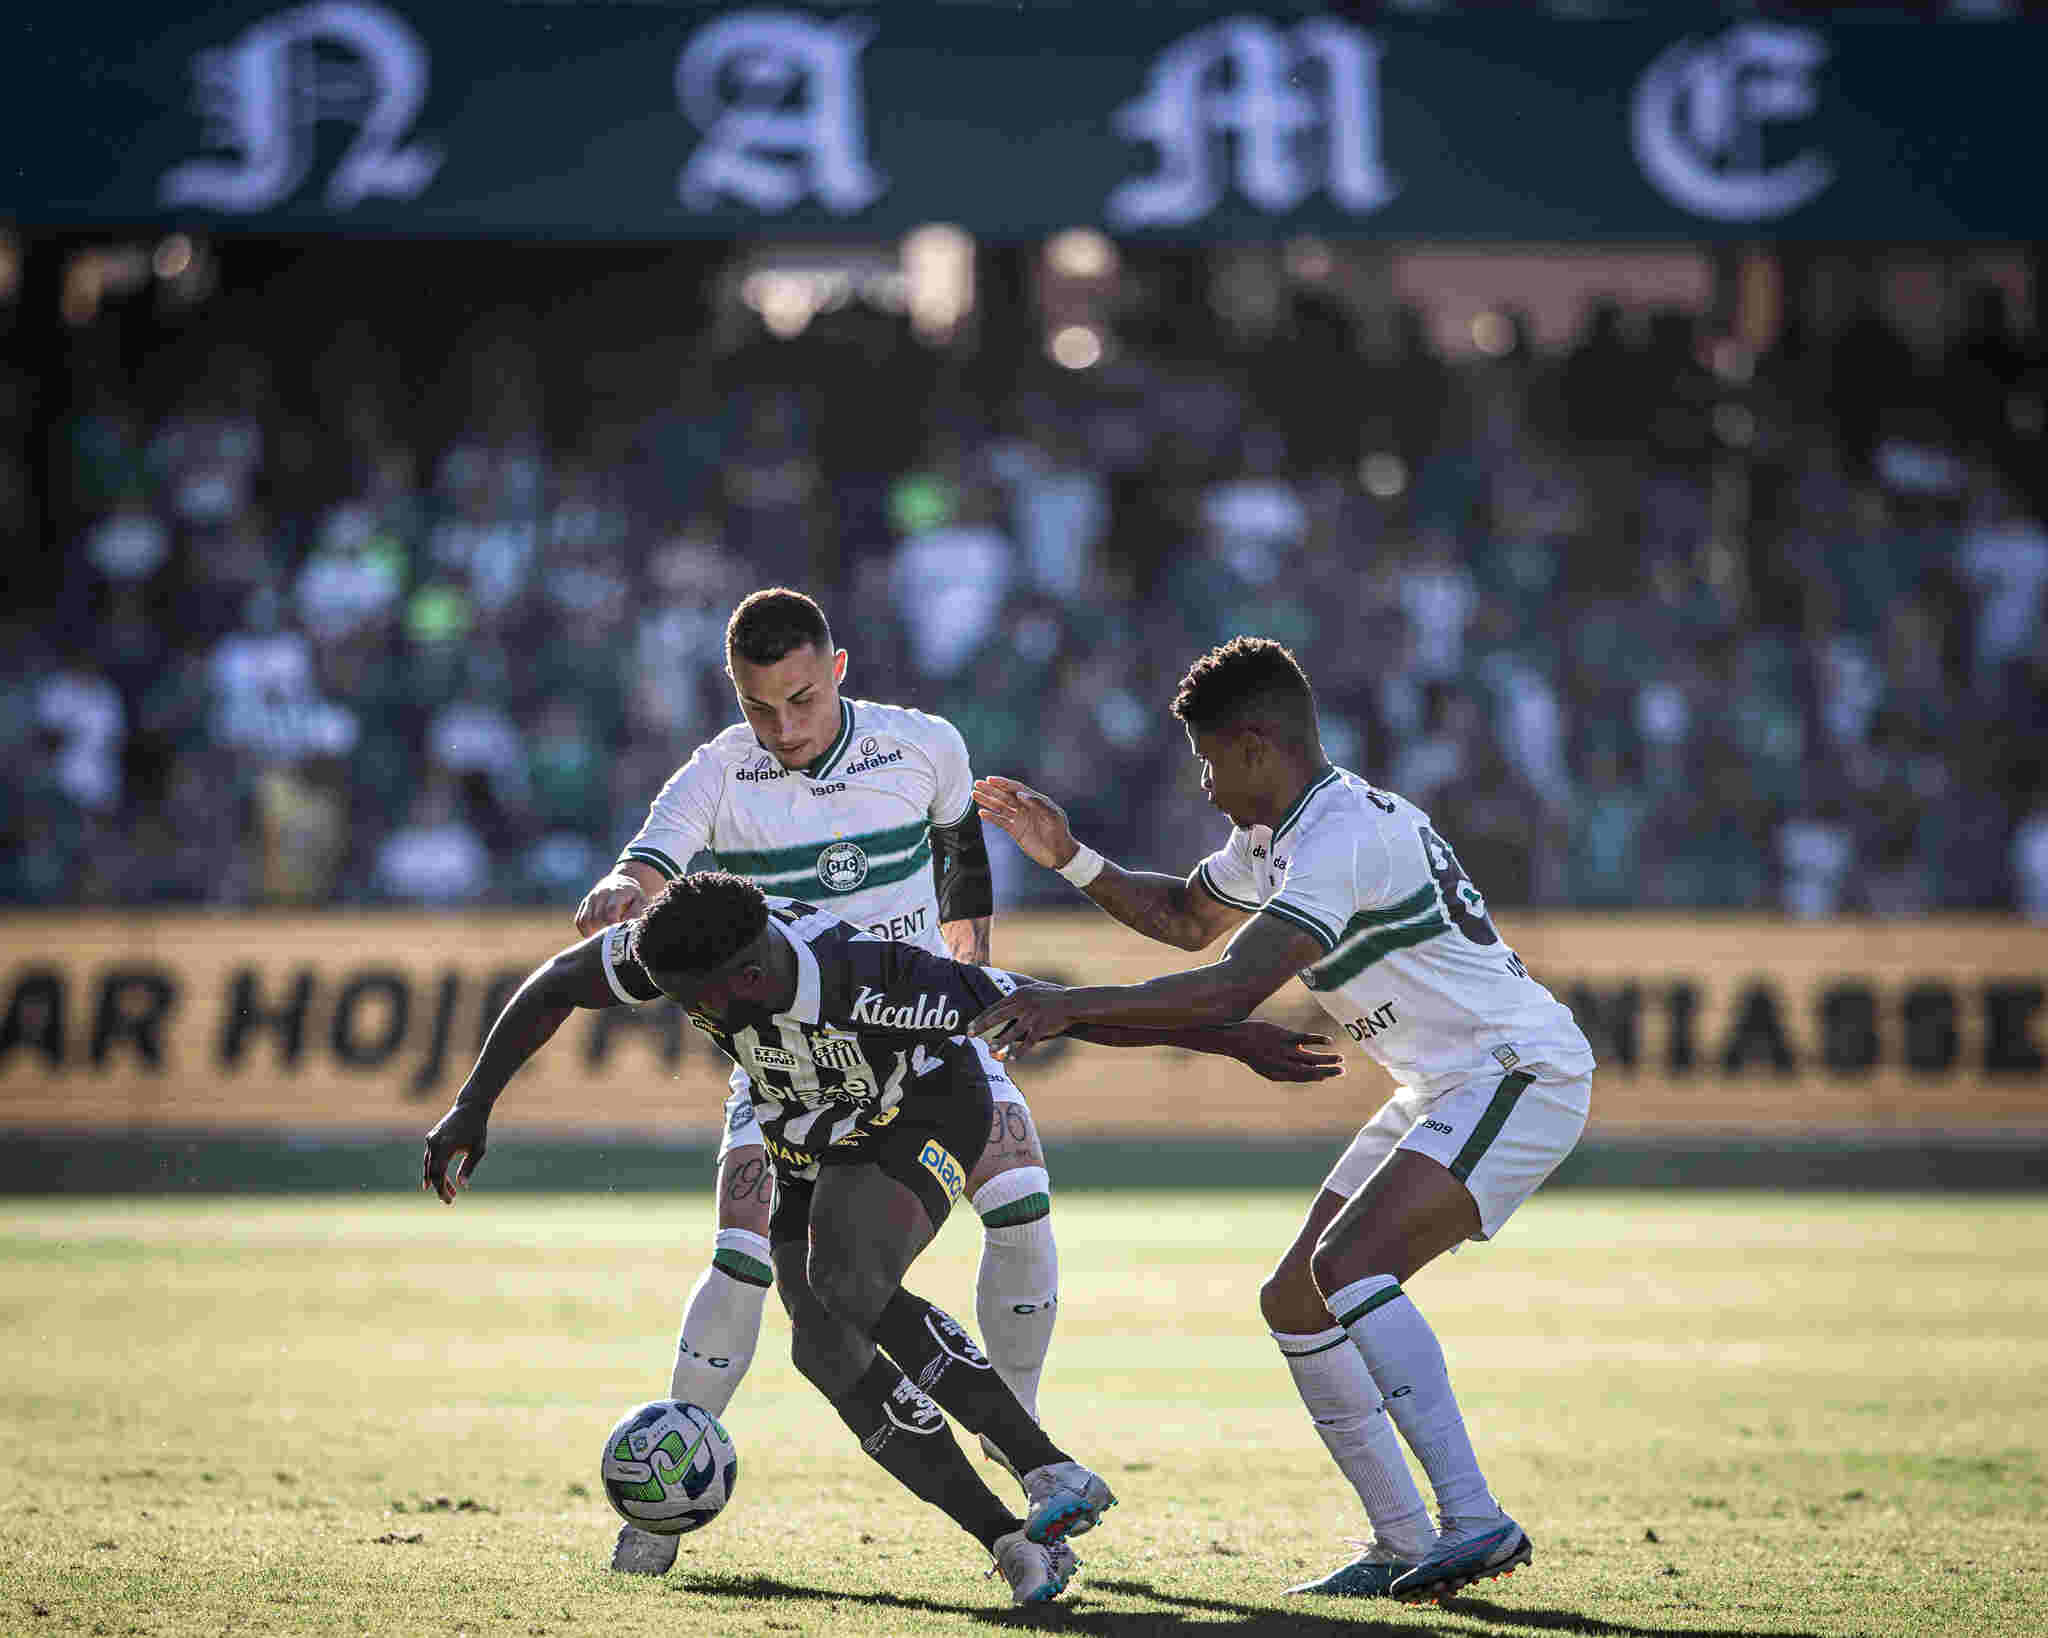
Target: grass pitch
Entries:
(1715, 1415)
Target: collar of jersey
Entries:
(823, 766)
(1301, 802)
(804, 1009)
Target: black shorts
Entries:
(930, 1148)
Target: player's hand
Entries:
(1281, 1054)
(615, 899)
(1015, 1025)
(1035, 822)
(460, 1132)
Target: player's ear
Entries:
(839, 666)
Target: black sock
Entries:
(903, 1430)
(942, 1359)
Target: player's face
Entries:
(792, 705)
(712, 994)
(1224, 773)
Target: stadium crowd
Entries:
(1648, 621)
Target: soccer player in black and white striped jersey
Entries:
(873, 1107)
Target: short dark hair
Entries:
(699, 922)
(773, 623)
(1247, 679)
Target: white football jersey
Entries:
(1412, 965)
(849, 834)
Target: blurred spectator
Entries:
(2003, 559)
(83, 715)
(435, 857)
(948, 582)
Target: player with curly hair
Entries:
(874, 1108)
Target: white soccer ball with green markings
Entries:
(669, 1467)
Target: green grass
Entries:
(1715, 1414)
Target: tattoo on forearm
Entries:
(751, 1179)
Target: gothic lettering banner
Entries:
(550, 119)
(1725, 1025)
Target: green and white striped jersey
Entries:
(1412, 965)
(850, 833)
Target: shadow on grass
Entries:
(1251, 1621)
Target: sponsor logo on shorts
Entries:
(924, 1012)
(936, 1159)
(1439, 1126)
(843, 866)
(768, 1057)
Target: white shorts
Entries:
(1501, 1139)
(741, 1128)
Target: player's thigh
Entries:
(789, 1247)
(1407, 1214)
(746, 1189)
(867, 1228)
(1500, 1140)
(1012, 1133)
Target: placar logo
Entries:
(261, 97)
(1281, 114)
(1700, 115)
(843, 867)
(778, 98)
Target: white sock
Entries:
(1344, 1403)
(1016, 1297)
(1407, 1362)
(722, 1322)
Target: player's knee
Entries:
(1290, 1302)
(854, 1295)
(1336, 1262)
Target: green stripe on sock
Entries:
(1379, 1299)
(1490, 1123)
(1027, 1210)
(747, 1270)
(1319, 1348)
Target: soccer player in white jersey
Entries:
(1354, 889)
(869, 811)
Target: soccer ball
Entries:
(669, 1467)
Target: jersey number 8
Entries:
(1464, 902)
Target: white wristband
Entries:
(1083, 867)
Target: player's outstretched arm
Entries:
(1271, 1051)
(1263, 956)
(574, 978)
(1181, 913)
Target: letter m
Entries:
(1281, 115)
(1610, 1018)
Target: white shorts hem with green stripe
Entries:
(1500, 1137)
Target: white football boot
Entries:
(1037, 1574)
(1066, 1500)
(1466, 1550)
(642, 1552)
